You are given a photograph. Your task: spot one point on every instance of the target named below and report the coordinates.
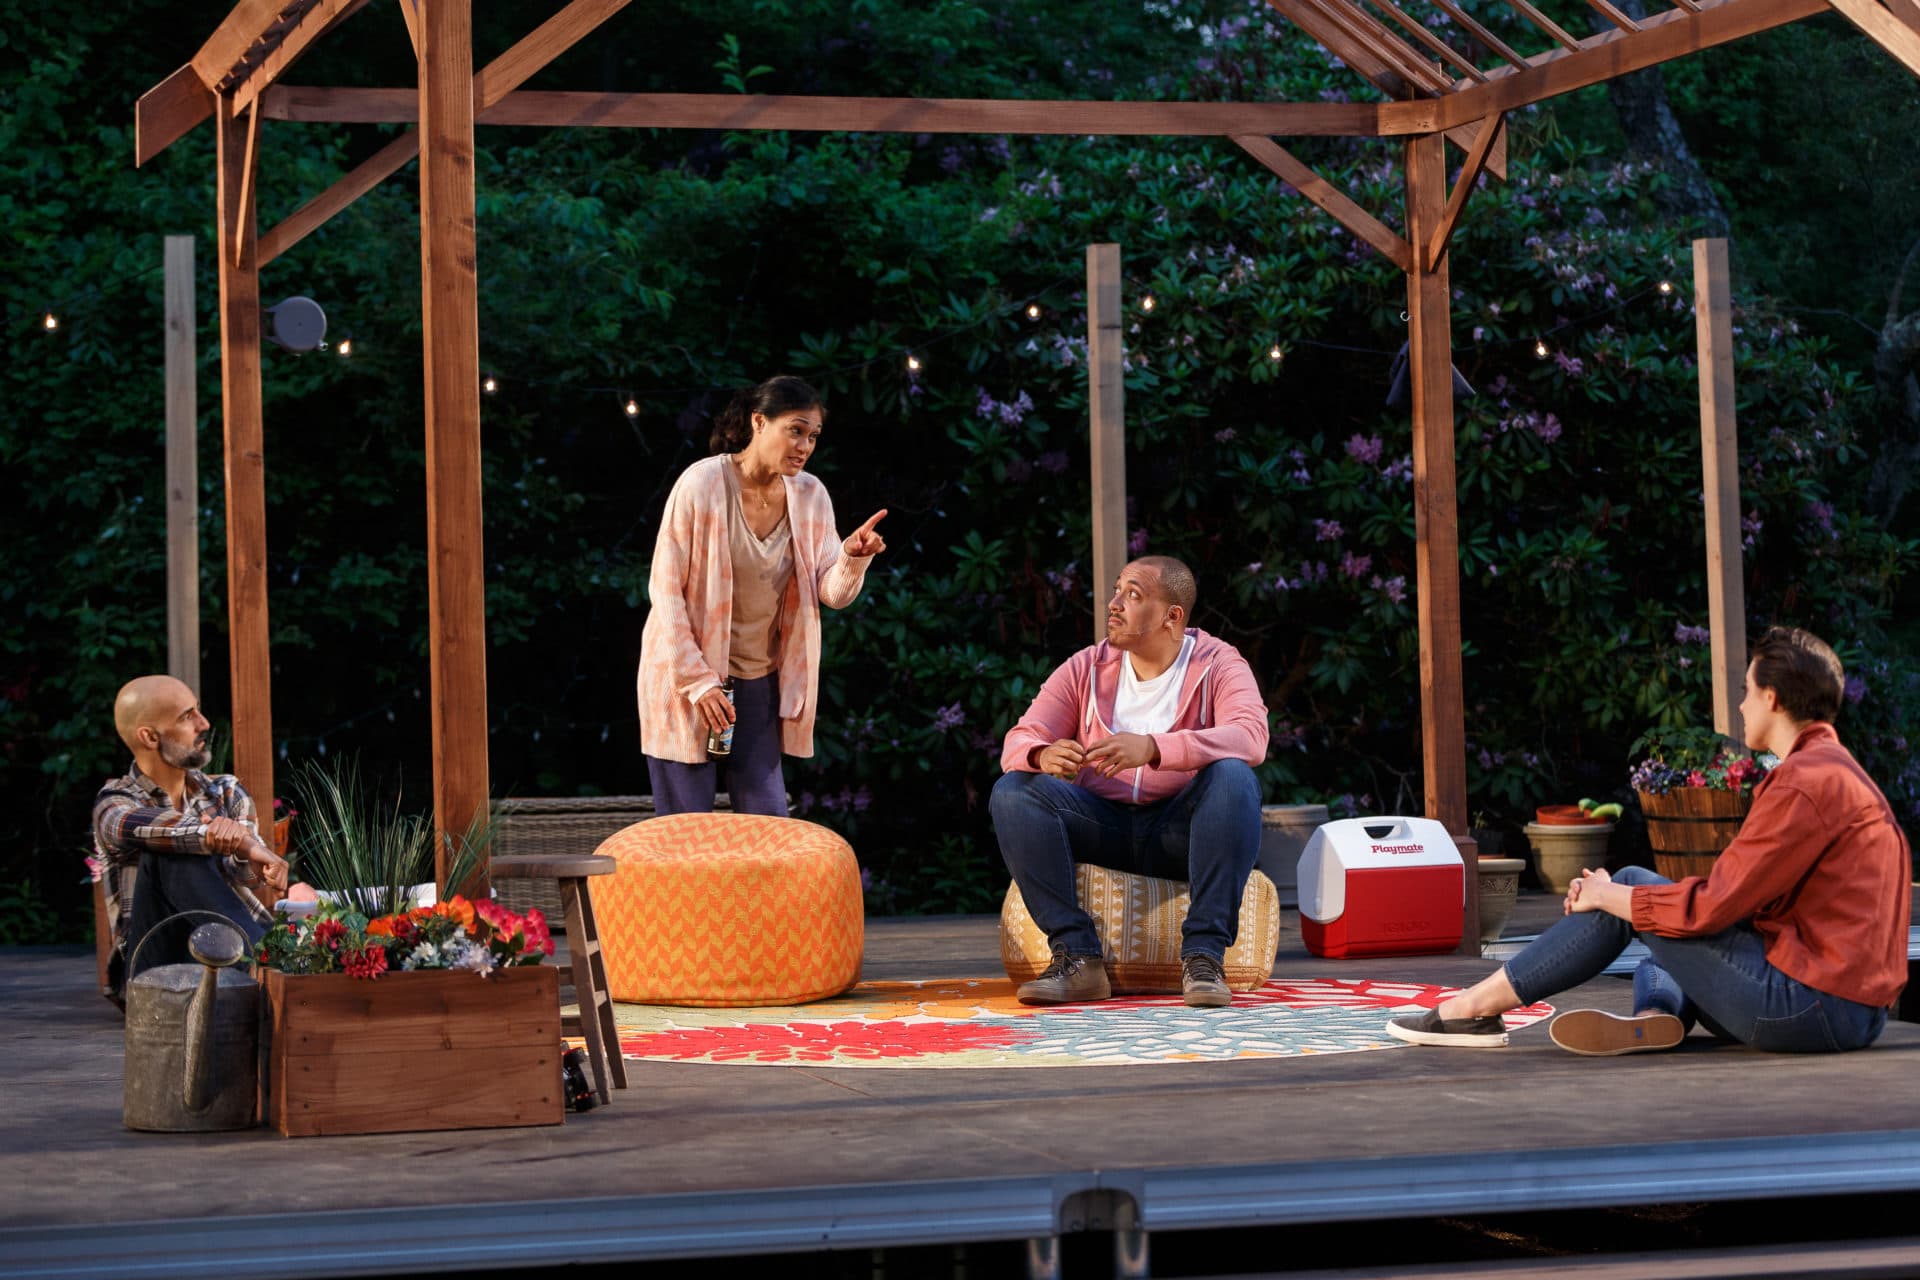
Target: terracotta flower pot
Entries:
(1565, 815)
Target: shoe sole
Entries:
(1593, 1033)
(1209, 999)
(1450, 1040)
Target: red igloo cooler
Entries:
(1381, 887)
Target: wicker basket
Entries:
(1689, 826)
(565, 826)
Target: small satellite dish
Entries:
(298, 324)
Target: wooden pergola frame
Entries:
(1438, 91)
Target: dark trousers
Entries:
(168, 884)
(755, 783)
(1207, 835)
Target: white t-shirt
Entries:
(1149, 706)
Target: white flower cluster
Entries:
(454, 953)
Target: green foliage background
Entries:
(671, 266)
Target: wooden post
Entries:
(1106, 408)
(449, 291)
(183, 472)
(1720, 467)
(1435, 522)
(251, 694)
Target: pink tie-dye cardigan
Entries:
(683, 650)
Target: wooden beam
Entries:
(183, 467)
(1554, 30)
(1435, 518)
(410, 10)
(243, 27)
(500, 77)
(1440, 48)
(168, 112)
(450, 322)
(802, 114)
(1720, 468)
(1329, 197)
(1436, 247)
(311, 24)
(249, 659)
(246, 174)
(1884, 29)
(1371, 33)
(1614, 14)
(1908, 11)
(1691, 6)
(1107, 425)
(1467, 136)
(1661, 38)
(1466, 22)
(1367, 60)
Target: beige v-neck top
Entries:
(762, 568)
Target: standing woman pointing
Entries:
(748, 552)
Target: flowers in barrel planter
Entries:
(454, 934)
(1689, 757)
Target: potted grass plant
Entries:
(391, 1008)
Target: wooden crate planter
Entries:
(1689, 826)
(426, 1049)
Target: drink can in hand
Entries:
(721, 743)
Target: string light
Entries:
(632, 407)
(1147, 303)
(913, 363)
(489, 384)
(1539, 349)
(345, 348)
(1666, 286)
(1274, 352)
(49, 322)
(1033, 311)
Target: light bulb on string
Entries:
(49, 322)
(631, 408)
(1666, 287)
(489, 384)
(1275, 353)
(1033, 311)
(913, 363)
(1539, 349)
(345, 348)
(1147, 303)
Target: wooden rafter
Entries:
(1440, 48)
(1436, 246)
(168, 112)
(247, 25)
(1388, 64)
(410, 11)
(1472, 27)
(1895, 32)
(1554, 30)
(493, 82)
(315, 21)
(1614, 14)
(252, 159)
(1303, 179)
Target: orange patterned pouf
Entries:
(726, 909)
(1139, 919)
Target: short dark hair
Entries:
(1803, 672)
(1176, 581)
(782, 393)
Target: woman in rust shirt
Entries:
(1797, 942)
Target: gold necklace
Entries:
(760, 493)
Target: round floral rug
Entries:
(978, 1023)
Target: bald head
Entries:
(1175, 581)
(159, 717)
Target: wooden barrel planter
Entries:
(1689, 826)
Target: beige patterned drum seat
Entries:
(1139, 919)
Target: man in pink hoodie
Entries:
(1137, 754)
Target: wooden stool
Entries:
(589, 980)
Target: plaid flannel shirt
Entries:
(133, 815)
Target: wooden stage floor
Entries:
(698, 1159)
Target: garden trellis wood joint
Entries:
(1438, 92)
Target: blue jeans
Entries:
(173, 882)
(1722, 981)
(754, 780)
(1208, 835)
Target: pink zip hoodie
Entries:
(1221, 717)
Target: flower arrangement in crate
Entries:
(1695, 787)
(452, 934)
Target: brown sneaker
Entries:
(1073, 978)
(1602, 1035)
(1204, 982)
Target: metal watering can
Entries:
(193, 1036)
